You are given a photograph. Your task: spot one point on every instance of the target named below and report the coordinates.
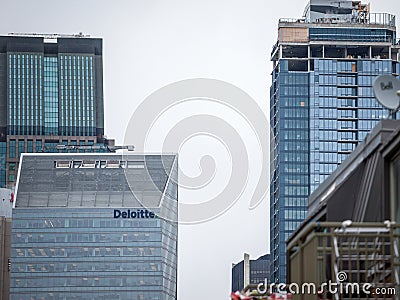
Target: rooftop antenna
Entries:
(387, 92)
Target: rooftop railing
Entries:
(368, 18)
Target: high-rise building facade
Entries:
(51, 92)
(321, 102)
(95, 226)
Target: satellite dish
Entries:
(386, 89)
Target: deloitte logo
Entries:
(134, 214)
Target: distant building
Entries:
(81, 230)
(250, 272)
(6, 203)
(322, 103)
(51, 92)
(354, 220)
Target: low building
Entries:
(351, 232)
(95, 226)
(249, 272)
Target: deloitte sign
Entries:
(134, 214)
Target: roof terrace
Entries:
(383, 19)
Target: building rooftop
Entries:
(93, 180)
(370, 19)
(49, 35)
(342, 12)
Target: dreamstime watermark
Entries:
(340, 286)
(188, 96)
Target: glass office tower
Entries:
(321, 103)
(80, 229)
(51, 92)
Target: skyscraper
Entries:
(51, 92)
(321, 102)
(80, 229)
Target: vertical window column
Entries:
(3, 154)
(77, 108)
(21, 147)
(51, 95)
(12, 149)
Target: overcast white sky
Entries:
(151, 43)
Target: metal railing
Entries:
(49, 35)
(351, 253)
(292, 20)
(367, 18)
(274, 48)
(381, 19)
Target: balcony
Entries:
(346, 253)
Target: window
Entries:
(11, 178)
(12, 149)
(51, 95)
(21, 148)
(38, 146)
(30, 146)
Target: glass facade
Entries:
(12, 149)
(291, 129)
(85, 254)
(72, 238)
(52, 91)
(21, 148)
(39, 146)
(25, 93)
(351, 34)
(39, 104)
(258, 272)
(238, 277)
(320, 109)
(343, 110)
(3, 165)
(77, 106)
(50, 96)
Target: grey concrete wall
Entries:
(5, 248)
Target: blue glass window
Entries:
(51, 95)
(12, 149)
(21, 148)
